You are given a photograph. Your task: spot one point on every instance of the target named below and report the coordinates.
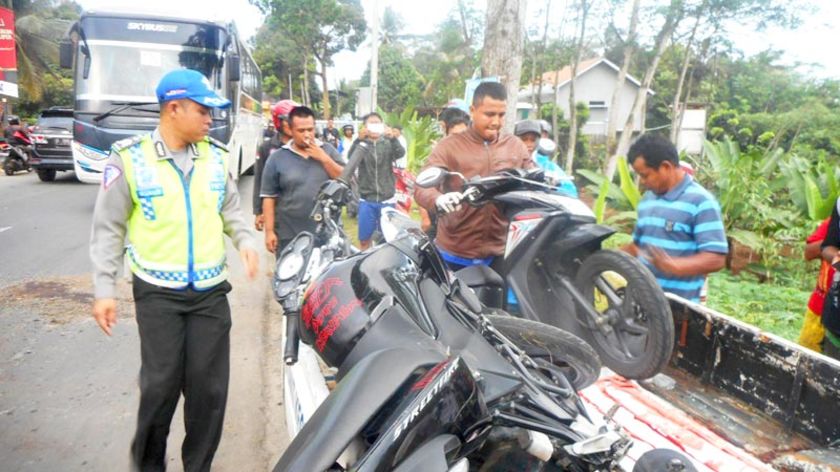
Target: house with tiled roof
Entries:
(594, 86)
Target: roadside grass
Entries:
(775, 308)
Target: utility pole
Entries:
(374, 60)
(291, 90)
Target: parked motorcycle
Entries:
(554, 265)
(426, 380)
(18, 152)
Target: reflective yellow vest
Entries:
(175, 230)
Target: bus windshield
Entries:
(128, 58)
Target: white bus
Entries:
(118, 59)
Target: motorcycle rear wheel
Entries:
(641, 336)
(9, 167)
(578, 361)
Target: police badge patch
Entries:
(110, 175)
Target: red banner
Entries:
(8, 57)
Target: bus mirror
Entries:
(65, 54)
(233, 68)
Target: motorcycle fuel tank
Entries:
(341, 303)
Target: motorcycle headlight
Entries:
(289, 266)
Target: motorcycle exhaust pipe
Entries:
(537, 444)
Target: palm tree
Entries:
(38, 31)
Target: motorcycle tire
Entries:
(46, 175)
(9, 167)
(561, 348)
(641, 339)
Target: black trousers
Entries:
(184, 348)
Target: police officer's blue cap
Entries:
(187, 83)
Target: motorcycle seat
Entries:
(489, 286)
(355, 400)
(480, 275)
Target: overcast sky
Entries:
(812, 43)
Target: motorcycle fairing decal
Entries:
(322, 314)
(431, 393)
(428, 377)
(517, 231)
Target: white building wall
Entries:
(596, 85)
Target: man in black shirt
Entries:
(280, 116)
(330, 134)
(291, 180)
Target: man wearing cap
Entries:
(529, 132)
(169, 194)
(280, 117)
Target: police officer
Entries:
(170, 194)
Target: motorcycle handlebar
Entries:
(290, 351)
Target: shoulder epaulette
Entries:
(127, 142)
(217, 143)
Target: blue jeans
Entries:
(369, 213)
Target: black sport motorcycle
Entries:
(426, 380)
(554, 266)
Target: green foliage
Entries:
(39, 26)
(814, 184)
(628, 186)
(448, 58)
(419, 134)
(400, 85)
(601, 202)
(773, 308)
(57, 91)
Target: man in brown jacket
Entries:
(467, 235)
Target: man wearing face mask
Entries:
(375, 153)
(466, 235)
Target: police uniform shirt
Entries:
(114, 205)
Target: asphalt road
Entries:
(68, 393)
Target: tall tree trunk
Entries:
(462, 12)
(535, 104)
(554, 110)
(672, 19)
(541, 60)
(325, 92)
(676, 110)
(305, 86)
(572, 143)
(629, 52)
(502, 55)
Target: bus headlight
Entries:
(89, 152)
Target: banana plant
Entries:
(419, 133)
(814, 185)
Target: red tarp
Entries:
(653, 423)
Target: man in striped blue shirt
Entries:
(679, 234)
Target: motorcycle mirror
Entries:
(546, 147)
(430, 177)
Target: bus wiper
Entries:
(125, 106)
